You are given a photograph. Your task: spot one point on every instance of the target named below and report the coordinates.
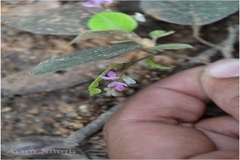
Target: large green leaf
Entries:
(71, 21)
(190, 12)
(80, 57)
(97, 34)
(112, 20)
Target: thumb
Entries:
(220, 82)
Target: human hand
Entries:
(162, 121)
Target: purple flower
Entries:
(94, 3)
(111, 76)
(108, 1)
(119, 86)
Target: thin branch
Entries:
(226, 44)
(231, 39)
(196, 30)
(77, 137)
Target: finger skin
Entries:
(218, 155)
(159, 121)
(223, 131)
(224, 92)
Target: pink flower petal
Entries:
(88, 4)
(112, 84)
(108, 1)
(106, 78)
(111, 74)
(92, 3)
(119, 87)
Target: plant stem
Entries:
(196, 30)
(132, 63)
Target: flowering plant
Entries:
(110, 23)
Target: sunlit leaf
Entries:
(170, 46)
(112, 20)
(150, 63)
(97, 34)
(83, 56)
(188, 12)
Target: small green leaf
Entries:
(93, 91)
(83, 56)
(121, 41)
(170, 46)
(150, 63)
(93, 86)
(159, 33)
(97, 34)
(156, 33)
(112, 20)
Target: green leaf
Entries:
(150, 63)
(93, 91)
(159, 33)
(170, 46)
(70, 21)
(83, 56)
(121, 41)
(188, 12)
(93, 86)
(97, 34)
(112, 20)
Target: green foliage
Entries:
(93, 86)
(159, 33)
(150, 63)
(97, 34)
(187, 12)
(70, 21)
(80, 57)
(112, 20)
(121, 41)
(170, 46)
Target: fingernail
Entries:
(224, 68)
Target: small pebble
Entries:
(66, 108)
(83, 108)
(29, 122)
(71, 114)
(6, 109)
(58, 115)
(34, 111)
(77, 125)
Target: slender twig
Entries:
(77, 137)
(229, 42)
(132, 63)
(226, 47)
(196, 30)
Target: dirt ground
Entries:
(40, 109)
